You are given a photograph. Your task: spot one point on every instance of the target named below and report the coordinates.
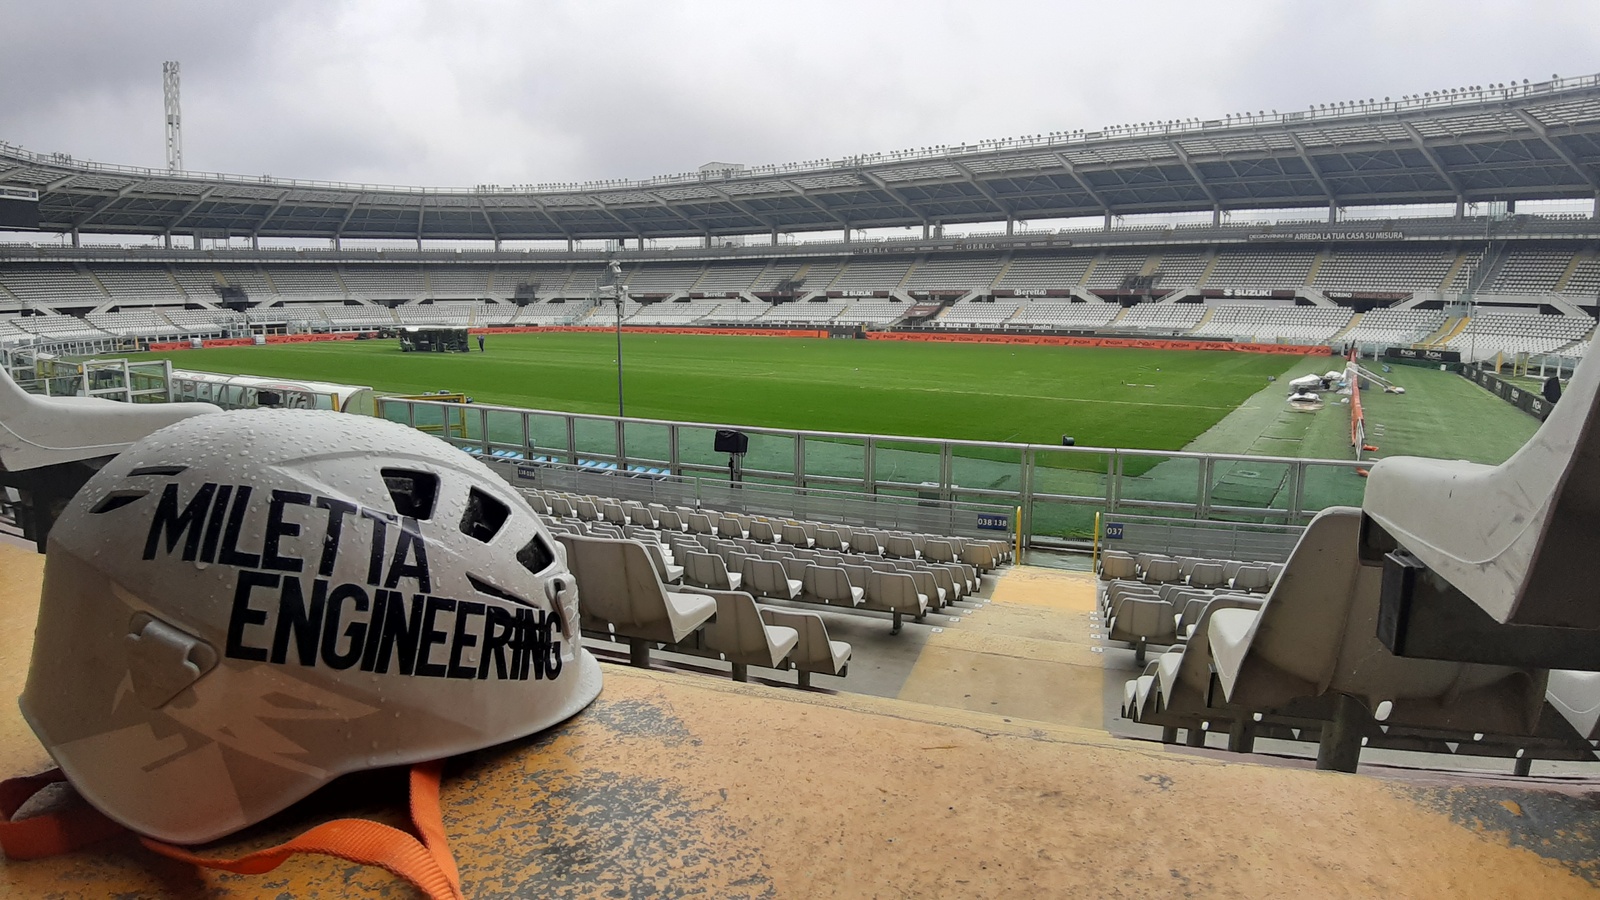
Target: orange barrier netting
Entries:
(1358, 421)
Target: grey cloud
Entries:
(501, 91)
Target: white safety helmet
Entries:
(244, 605)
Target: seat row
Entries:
(900, 587)
(622, 597)
(984, 555)
(1154, 568)
(1305, 662)
(1160, 615)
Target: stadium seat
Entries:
(813, 650)
(709, 570)
(895, 593)
(1513, 538)
(742, 635)
(767, 578)
(831, 585)
(1316, 637)
(832, 539)
(762, 532)
(1115, 564)
(619, 586)
(793, 534)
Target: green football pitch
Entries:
(1101, 397)
(1219, 402)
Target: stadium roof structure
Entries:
(1517, 142)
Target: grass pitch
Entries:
(1101, 397)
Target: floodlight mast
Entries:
(618, 292)
(169, 84)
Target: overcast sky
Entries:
(504, 91)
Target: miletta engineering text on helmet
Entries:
(277, 618)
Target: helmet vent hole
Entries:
(117, 500)
(413, 492)
(484, 587)
(158, 470)
(484, 516)
(537, 556)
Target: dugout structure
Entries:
(434, 339)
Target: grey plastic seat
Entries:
(767, 578)
(731, 527)
(1576, 696)
(586, 509)
(1162, 570)
(1517, 538)
(1116, 564)
(612, 512)
(641, 515)
(562, 506)
(670, 520)
(618, 585)
(865, 543)
(795, 535)
(1251, 578)
(708, 570)
(831, 539)
(761, 531)
(896, 593)
(669, 572)
(744, 637)
(1206, 575)
(813, 651)
(900, 546)
(831, 585)
(1143, 621)
(700, 523)
(1316, 635)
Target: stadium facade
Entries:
(1479, 284)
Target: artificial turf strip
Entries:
(1100, 396)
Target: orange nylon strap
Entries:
(51, 834)
(426, 863)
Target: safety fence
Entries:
(1210, 540)
(1058, 489)
(977, 520)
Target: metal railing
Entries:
(1212, 540)
(977, 520)
(1058, 489)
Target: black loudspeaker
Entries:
(1552, 388)
(731, 442)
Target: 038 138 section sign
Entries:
(994, 522)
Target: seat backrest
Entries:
(706, 570)
(668, 520)
(617, 582)
(939, 551)
(828, 539)
(562, 507)
(614, 513)
(729, 527)
(700, 523)
(859, 575)
(864, 542)
(1317, 631)
(657, 559)
(761, 530)
(827, 583)
(813, 651)
(1515, 538)
(894, 589)
(738, 630)
(794, 534)
(901, 546)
